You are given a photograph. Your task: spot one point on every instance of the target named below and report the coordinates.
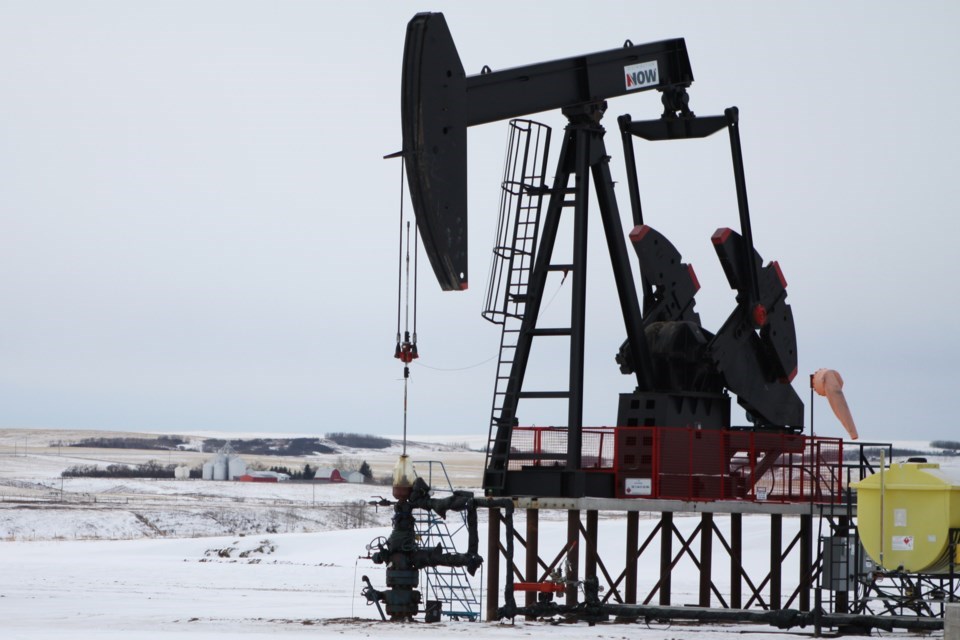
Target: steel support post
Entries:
(578, 304)
(776, 553)
(842, 601)
(630, 566)
(573, 556)
(493, 564)
(666, 555)
(532, 569)
(706, 558)
(736, 560)
(590, 555)
(806, 561)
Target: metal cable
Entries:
(400, 255)
(416, 255)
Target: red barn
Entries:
(328, 474)
(249, 478)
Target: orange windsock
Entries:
(828, 382)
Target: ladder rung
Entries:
(552, 331)
(544, 394)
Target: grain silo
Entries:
(226, 465)
(236, 467)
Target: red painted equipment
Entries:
(540, 587)
(674, 463)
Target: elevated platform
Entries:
(643, 505)
(674, 464)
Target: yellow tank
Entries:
(921, 503)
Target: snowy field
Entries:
(37, 504)
(102, 558)
(253, 586)
(269, 586)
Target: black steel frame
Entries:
(583, 157)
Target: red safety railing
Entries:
(695, 464)
(547, 447)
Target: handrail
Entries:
(697, 464)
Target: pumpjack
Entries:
(684, 373)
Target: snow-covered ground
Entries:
(268, 586)
(36, 503)
(85, 558)
(198, 588)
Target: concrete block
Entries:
(951, 622)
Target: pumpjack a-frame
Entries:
(753, 354)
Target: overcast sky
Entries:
(197, 230)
